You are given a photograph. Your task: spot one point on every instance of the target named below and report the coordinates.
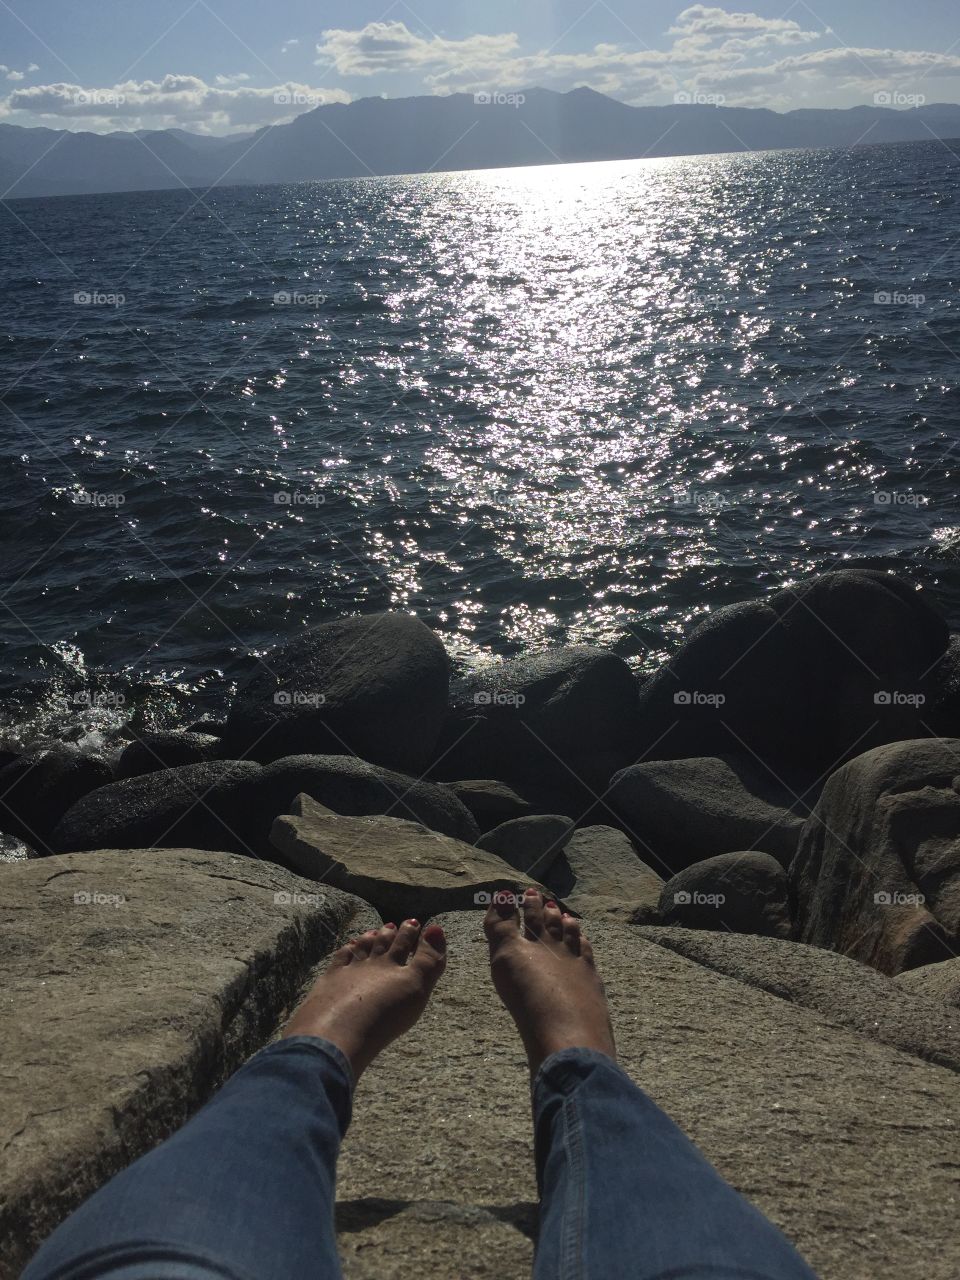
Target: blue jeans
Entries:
(245, 1190)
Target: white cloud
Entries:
(176, 100)
(701, 20)
(389, 47)
(288, 44)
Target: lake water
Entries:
(540, 406)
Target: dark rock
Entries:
(567, 716)
(231, 804)
(489, 801)
(401, 868)
(743, 892)
(153, 751)
(877, 870)
(681, 811)
(806, 677)
(208, 724)
(933, 981)
(374, 685)
(598, 873)
(36, 789)
(530, 844)
(13, 849)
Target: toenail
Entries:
(415, 923)
(435, 936)
(532, 890)
(550, 902)
(390, 925)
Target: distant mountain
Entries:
(416, 135)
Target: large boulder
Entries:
(400, 867)
(375, 686)
(939, 981)
(130, 993)
(682, 811)
(38, 788)
(598, 873)
(807, 677)
(152, 751)
(877, 871)
(806, 1112)
(231, 804)
(491, 802)
(743, 892)
(531, 844)
(556, 718)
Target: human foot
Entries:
(546, 977)
(374, 989)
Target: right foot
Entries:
(546, 977)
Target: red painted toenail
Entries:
(550, 902)
(415, 923)
(390, 925)
(435, 936)
(532, 890)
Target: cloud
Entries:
(701, 20)
(288, 44)
(390, 47)
(176, 100)
(17, 76)
(862, 69)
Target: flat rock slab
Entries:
(599, 873)
(401, 868)
(848, 1143)
(133, 982)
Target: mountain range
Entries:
(423, 134)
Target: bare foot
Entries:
(546, 978)
(374, 989)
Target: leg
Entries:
(245, 1190)
(623, 1190)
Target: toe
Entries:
(430, 957)
(363, 945)
(553, 920)
(500, 924)
(342, 956)
(571, 932)
(533, 913)
(382, 940)
(404, 941)
(585, 948)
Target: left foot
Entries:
(374, 989)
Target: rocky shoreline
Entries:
(777, 809)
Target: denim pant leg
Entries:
(623, 1192)
(244, 1191)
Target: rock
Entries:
(374, 685)
(36, 789)
(401, 868)
(152, 751)
(877, 870)
(14, 850)
(208, 724)
(846, 992)
(744, 892)
(530, 844)
(567, 716)
(599, 874)
(682, 811)
(804, 1114)
(489, 801)
(939, 981)
(231, 804)
(124, 1011)
(805, 677)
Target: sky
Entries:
(228, 66)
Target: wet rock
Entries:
(152, 751)
(375, 686)
(743, 892)
(37, 788)
(681, 811)
(877, 871)
(531, 844)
